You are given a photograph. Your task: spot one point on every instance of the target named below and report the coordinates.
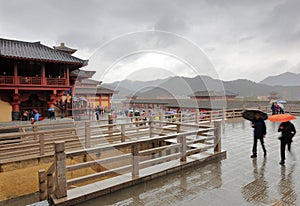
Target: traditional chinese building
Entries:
(213, 95)
(35, 76)
(87, 95)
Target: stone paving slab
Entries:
(113, 184)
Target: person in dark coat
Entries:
(260, 132)
(273, 108)
(288, 131)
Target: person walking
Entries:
(260, 132)
(37, 117)
(277, 108)
(273, 108)
(288, 131)
(281, 109)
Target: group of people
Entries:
(287, 130)
(277, 108)
(29, 115)
(25, 115)
(99, 111)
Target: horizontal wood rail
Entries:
(26, 80)
(6, 79)
(30, 80)
(131, 156)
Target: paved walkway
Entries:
(238, 180)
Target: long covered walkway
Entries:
(237, 180)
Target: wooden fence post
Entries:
(211, 116)
(178, 127)
(151, 126)
(42, 185)
(182, 140)
(135, 160)
(197, 116)
(217, 136)
(87, 130)
(35, 129)
(110, 121)
(223, 115)
(161, 116)
(60, 170)
(123, 135)
(42, 144)
(49, 184)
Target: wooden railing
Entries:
(197, 117)
(37, 140)
(33, 80)
(27, 141)
(56, 81)
(6, 79)
(30, 80)
(131, 156)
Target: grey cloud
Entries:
(296, 68)
(171, 23)
(283, 24)
(246, 38)
(234, 29)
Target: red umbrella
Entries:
(35, 110)
(281, 118)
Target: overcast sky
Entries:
(242, 38)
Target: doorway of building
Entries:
(34, 103)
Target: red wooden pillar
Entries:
(67, 72)
(16, 80)
(108, 99)
(53, 98)
(43, 74)
(16, 107)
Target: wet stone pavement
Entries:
(237, 180)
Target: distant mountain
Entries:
(248, 88)
(285, 79)
(130, 87)
(181, 87)
(122, 92)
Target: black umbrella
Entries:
(250, 114)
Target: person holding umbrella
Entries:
(287, 130)
(260, 132)
(257, 118)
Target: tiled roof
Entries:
(212, 93)
(94, 90)
(149, 101)
(192, 103)
(35, 51)
(63, 48)
(90, 82)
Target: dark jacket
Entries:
(287, 130)
(273, 107)
(259, 128)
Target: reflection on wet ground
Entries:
(238, 180)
